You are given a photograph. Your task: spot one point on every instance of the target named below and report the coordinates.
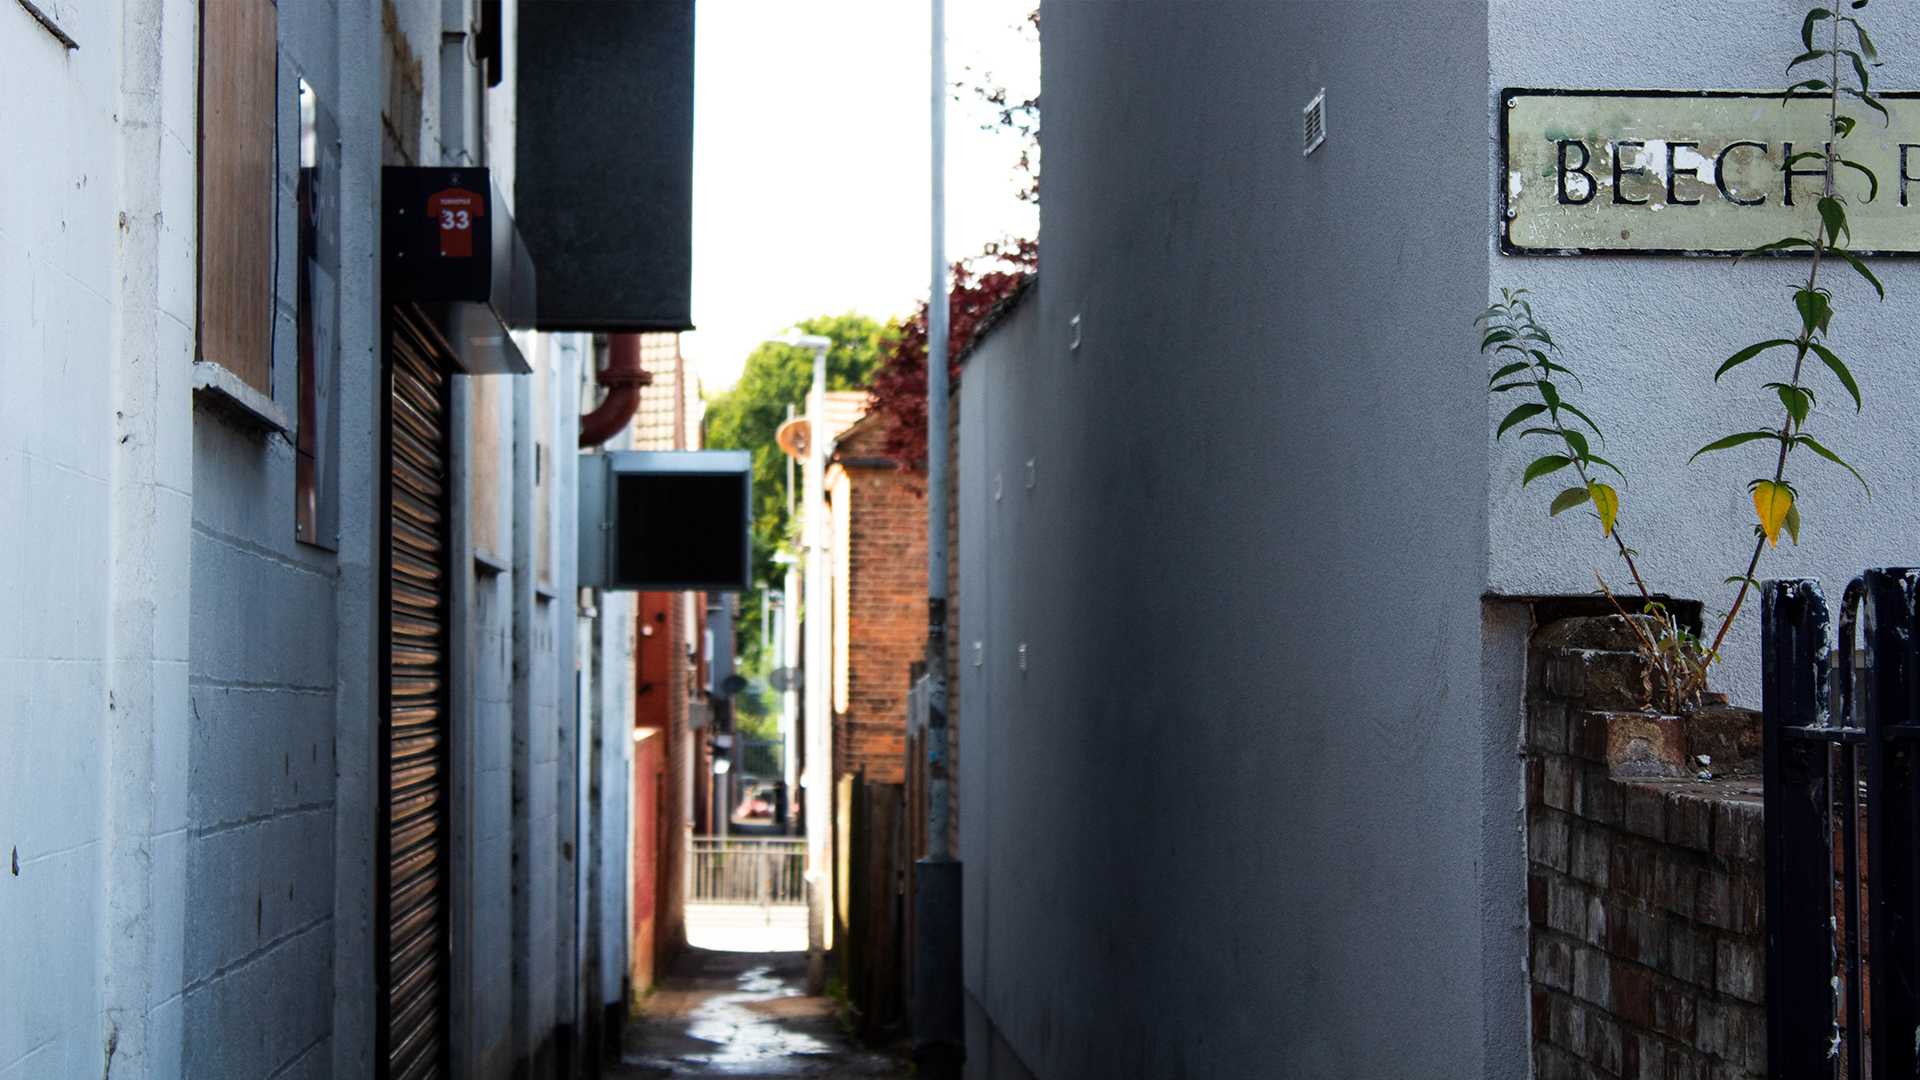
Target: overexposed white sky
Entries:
(811, 159)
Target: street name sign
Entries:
(1698, 172)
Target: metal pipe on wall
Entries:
(623, 379)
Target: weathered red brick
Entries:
(1632, 987)
(1675, 1011)
(1645, 812)
(1738, 970)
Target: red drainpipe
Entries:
(623, 379)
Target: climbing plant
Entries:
(1531, 363)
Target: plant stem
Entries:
(1580, 468)
(1801, 345)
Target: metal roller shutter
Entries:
(412, 935)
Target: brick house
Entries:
(879, 558)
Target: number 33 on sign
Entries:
(456, 208)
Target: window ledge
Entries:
(225, 392)
(486, 562)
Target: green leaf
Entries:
(1872, 180)
(1793, 522)
(1567, 500)
(1519, 415)
(1806, 57)
(1585, 419)
(1495, 337)
(1843, 126)
(1607, 502)
(1861, 267)
(1732, 441)
(1806, 155)
(1859, 69)
(1596, 459)
(1579, 444)
(1804, 84)
(1866, 43)
(1749, 353)
(1839, 371)
(1504, 387)
(1808, 442)
(1806, 28)
(1871, 102)
(1834, 217)
(1791, 241)
(1492, 312)
(1741, 579)
(1796, 400)
(1544, 466)
(1815, 312)
(1514, 368)
(1552, 433)
(1549, 393)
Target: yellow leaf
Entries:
(1772, 501)
(1607, 502)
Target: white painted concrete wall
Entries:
(96, 311)
(186, 694)
(1646, 334)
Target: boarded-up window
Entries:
(237, 63)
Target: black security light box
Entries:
(436, 236)
(666, 520)
(604, 161)
(449, 244)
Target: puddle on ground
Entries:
(749, 1040)
(765, 1027)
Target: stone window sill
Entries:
(224, 392)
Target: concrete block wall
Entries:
(96, 483)
(1645, 882)
(880, 513)
(260, 785)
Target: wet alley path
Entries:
(743, 1015)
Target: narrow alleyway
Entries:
(743, 1015)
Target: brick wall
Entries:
(880, 515)
(1645, 883)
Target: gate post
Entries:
(1799, 914)
(1893, 815)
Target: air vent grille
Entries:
(1313, 124)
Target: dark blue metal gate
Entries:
(1842, 731)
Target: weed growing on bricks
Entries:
(1530, 363)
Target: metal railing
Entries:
(761, 758)
(737, 871)
(1842, 790)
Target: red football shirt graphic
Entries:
(457, 209)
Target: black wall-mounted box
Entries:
(448, 243)
(666, 519)
(603, 158)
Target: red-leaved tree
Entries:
(899, 387)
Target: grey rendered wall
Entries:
(1229, 819)
(1648, 333)
(259, 932)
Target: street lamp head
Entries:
(805, 341)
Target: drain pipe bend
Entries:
(623, 379)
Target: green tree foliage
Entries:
(747, 416)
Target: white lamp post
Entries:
(817, 780)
